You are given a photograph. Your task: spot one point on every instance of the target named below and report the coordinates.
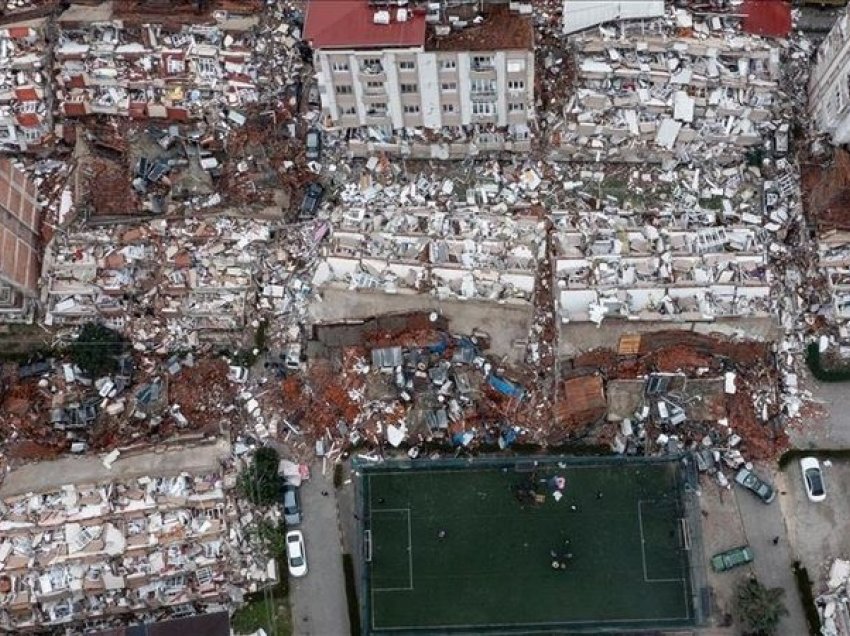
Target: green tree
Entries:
(260, 483)
(97, 348)
(759, 609)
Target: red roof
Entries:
(26, 94)
(350, 24)
(19, 33)
(74, 109)
(767, 17)
(28, 120)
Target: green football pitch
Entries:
(472, 549)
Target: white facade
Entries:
(393, 89)
(829, 85)
(583, 14)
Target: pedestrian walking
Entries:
(775, 540)
(324, 493)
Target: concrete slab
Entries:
(52, 475)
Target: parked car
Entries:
(749, 480)
(296, 557)
(292, 356)
(813, 479)
(731, 558)
(291, 505)
(312, 199)
(239, 375)
(314, 98)
(314, 144)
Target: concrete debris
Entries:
(185, 545)
(833, 605)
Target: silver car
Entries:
(291, 506)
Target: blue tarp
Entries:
(506, 387)
(439, 347)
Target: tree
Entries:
(260, 482)
(759, 609)
(97, 348)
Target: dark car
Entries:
(312, 200)
(314, 144)
(291, 505)
(749, 480)
(732, 558)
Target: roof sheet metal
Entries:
(350, 24)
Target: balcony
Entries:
(482, 66)
(376, 111)
(371, 69)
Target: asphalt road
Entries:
(319, 604)
(773, 563)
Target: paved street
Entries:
(772, 563)
(812, 526)
(319, 605)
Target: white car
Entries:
(296, 557)
(813, 478)
(239, 375)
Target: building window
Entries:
(411, 109)
(409, 88)
(448, 65)
(349, 110)
(376, 110)
(483, 108)
(516, 66)
(449, 87)
(448, 108)
(344, 89)
(516, 107)
(339, 67)
(483, 86)
(482, 62)
(407, 65)
(516, 85)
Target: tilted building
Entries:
(20, 251)
(829, 83)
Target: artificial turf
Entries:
(492, 566)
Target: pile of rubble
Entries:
(834, 605)
(173, 284)
(51, 407)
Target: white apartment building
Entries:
(399, 68)
(829, 84)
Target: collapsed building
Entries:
(108, 64)
(460, 72)
(25, 87)
(127, 545)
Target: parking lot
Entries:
(815, 529)
(736, 517)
